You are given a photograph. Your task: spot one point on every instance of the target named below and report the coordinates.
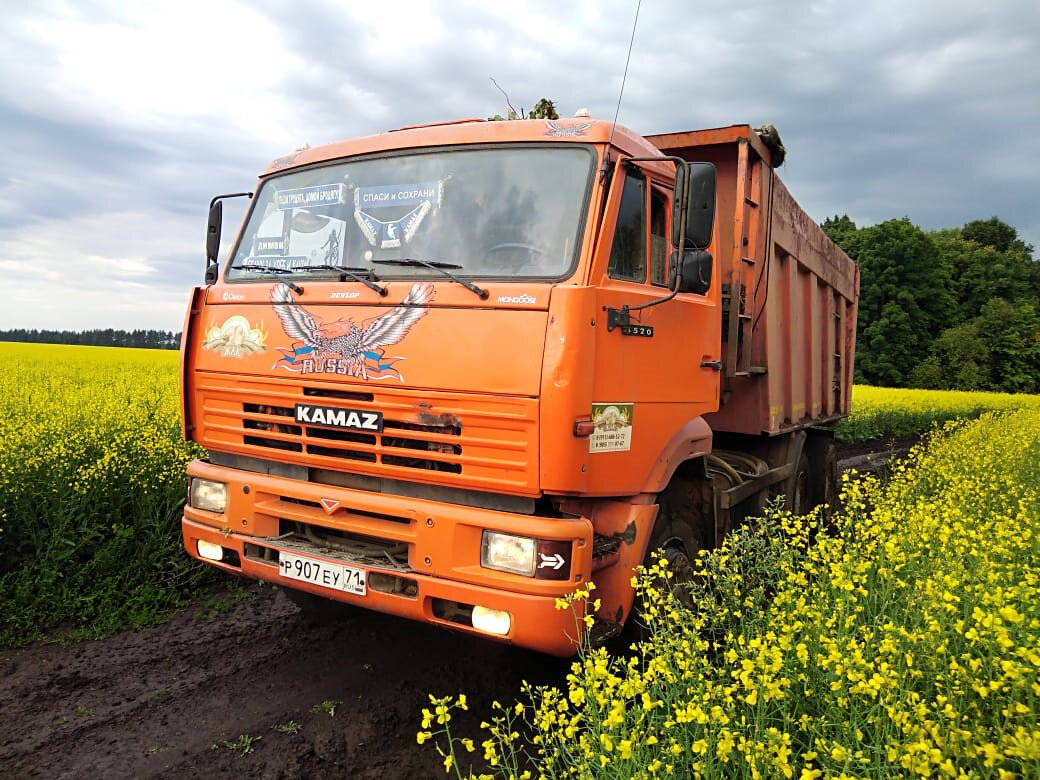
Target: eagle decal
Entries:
(560, 130)
(342, 346)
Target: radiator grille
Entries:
(409, 445)
(453, 439)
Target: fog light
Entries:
(505, 552)
(494, 621)
(209, 495)
(209, 551)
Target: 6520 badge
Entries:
(334, 417)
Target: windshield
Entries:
(502, 212)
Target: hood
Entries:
(422, 335)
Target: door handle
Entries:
(715, 365)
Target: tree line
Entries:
(953, 309)
(107, 337)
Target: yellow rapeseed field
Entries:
(91, 481)
(907, 643)
(889, 411)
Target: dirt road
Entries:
(188, 699)
(253, 689)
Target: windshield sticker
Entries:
(235, 338)
(322, 195)
(342, 346)
(612, 428)
(277, 262)
(273, 245)
(560, 130)
(319, 239)
(391, 233)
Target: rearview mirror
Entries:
(216, 211)
(700, 210)
(696, 271)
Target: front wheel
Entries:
(678, 537)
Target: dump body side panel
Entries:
(789, 294)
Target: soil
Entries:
(172, 701)
(185, 699)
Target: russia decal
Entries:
(341, 346)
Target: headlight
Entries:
(209, 495)
(504, 552)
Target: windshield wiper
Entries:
(353, 273)
(275, 273)
(440, 267)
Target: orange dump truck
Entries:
(457, 371)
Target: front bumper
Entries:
(421, 557)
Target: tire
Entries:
(799, 490)
(678, 536)
(823, 465)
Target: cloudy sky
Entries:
(118, 120)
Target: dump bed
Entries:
(788, 293)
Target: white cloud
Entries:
(118, 269)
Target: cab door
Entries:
(649, 370)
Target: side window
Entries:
(628, 253)
(658, 239)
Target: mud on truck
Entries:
(458, 371)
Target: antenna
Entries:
(625, 76)
(512, 111)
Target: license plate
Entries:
(335, 576)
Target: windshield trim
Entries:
(580, 227)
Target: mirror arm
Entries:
(213, 202)
(212, 259)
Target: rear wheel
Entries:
(823, 481)
(799, 494)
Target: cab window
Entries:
(658, 238)
(628, 252)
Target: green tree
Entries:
(904, 299)
(960, 360)
(997, 234)
(1011, 330)
(983, 270)
(839, 230)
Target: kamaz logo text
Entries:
(525, 298)
(352, 419)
